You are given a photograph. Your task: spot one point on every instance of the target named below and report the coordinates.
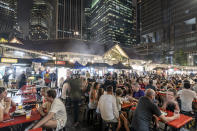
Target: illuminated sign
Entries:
(8, 60)
(3, 40)
(60, 62)
(14, 40)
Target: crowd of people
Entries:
(105, 95)
(44, 78)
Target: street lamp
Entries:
(76, 33)
(190, 59)
(54, 58)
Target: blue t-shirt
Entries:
(138, 94)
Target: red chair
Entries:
(37, 129)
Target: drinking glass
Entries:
(28, 114)
(20, 106)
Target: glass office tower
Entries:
(113, 21)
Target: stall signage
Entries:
(8, 60)
(3, 40)
(60, 62)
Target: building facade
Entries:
(87, 20)
(113, 21)
(41, 20)
(170, 25)
(8, 16)
(69, 14)
(138, 21)
(150, 28)
(182, 28)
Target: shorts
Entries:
(113, 121)
(60, 124)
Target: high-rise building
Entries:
(138, 21)
(113, 21)
(151, 27)
(69, 15)
(87, 19)
(7, 17)
(170, 25)
(151, 18)
(41, 20)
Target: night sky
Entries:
(24, 7)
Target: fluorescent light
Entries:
(44, 57)
(19, 53)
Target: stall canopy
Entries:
(101, 65)
(77, 65)
(159, 68)
(88, 64)
(98, 65)
(121, 66)
(39, 60)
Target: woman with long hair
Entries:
(93, 100)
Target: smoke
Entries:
(77, 46)
(68, 45)
(85, 47)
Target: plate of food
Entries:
(164, 113)
(19, 113)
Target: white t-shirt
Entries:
(186, 96)
(64, 90)
(107, 107)
(59, 109)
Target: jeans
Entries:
(5, 84)
(90, 115)
(132, 129)
(76, 109)
(195, 119)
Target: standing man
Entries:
(47, 79)
(53, 79)
(75, 95)
(6, 79)
(22, 80)
(145, 111)
(87, 75)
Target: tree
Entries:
(180, 58)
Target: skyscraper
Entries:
(113, 21)
(86, 20)
(41, 20)
(69, 14)
(151, 18)
(7, 17)
(138, 21)
(170, 25)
